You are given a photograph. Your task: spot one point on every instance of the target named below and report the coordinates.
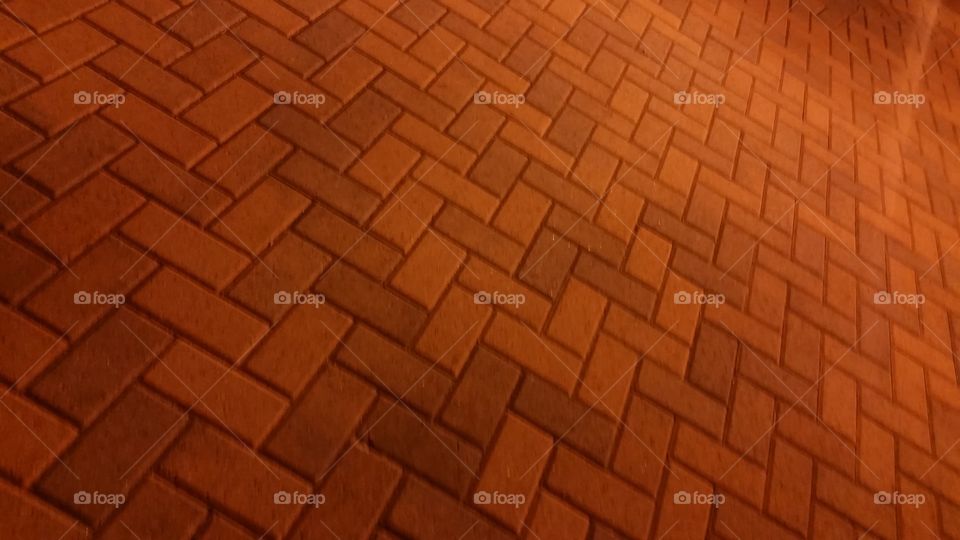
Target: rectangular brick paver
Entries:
(204, 453)
(153, 126)
(214, 390)
(158, 509)
(600, 493)
(114, 453)
(110, 267)
(517, 461)
(139, 34)
(401, 374)
(110, 358)
(218, 324)
(298, 347)
(481, 396)
(55, 106)
(79, 152)
(184, 245)
(437, 454)
(169, 184)
(358, 491)
(583, 427)
(520, 343)
(30, 517)
(28, 347)
(340, 400)
(34, 434)
(22, 270)
(69, 45)
(291, 265)
(387, 311)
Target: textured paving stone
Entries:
(479, 269)
(106, 360)
(34, 434)
(113, 454)
(157, 510)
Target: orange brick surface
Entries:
(478, 269)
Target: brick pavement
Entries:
(444, 269)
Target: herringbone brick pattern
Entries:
(444, 269)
